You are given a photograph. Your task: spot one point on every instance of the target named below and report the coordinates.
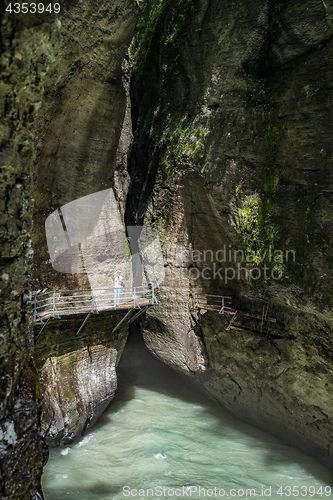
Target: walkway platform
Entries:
(222, 305)
(68, 302)
(218, 303)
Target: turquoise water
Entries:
(161, 439)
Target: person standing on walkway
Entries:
(117, 286)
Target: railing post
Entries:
(92, 300)
(153, 296)
(134, 296)
(53, 302)
(35, 308)
(149, 294)
(222, 305)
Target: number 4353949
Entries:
(33, 8)
(304, 491)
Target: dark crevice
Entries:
(258, 60)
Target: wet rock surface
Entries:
(78, 374)
(283, 385)
(235, 115)
(26, 51)
(62, 104)
(80, 118)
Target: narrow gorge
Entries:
(210, 121)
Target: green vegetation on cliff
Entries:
(34, 380)
(258, 223)
(258, 226)
(185, 147)
(152, 13)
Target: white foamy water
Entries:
(160, 439)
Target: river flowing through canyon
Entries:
(160, 438)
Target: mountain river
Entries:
(162, 439)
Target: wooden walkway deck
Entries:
(222, 305)
(68, 302)
(72, 302)
(140, 302)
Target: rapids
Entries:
(161, 438)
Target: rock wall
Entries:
(78, 373)
(26, 51)
(28, 47)
(80, 118)
(77, 147)
(62, 102)
(232, 151)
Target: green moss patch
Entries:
(259, 227)
(33, 380)
(174, 13)
(184, 146)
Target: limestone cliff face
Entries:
(26, 51)
(62, 102)
(232, 151)
(78, 374)
(80, 118)
(77, 148)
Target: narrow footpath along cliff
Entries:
(232, 163)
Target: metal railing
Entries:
(220, 303)
(60, 302)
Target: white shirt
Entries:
(117, 282)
